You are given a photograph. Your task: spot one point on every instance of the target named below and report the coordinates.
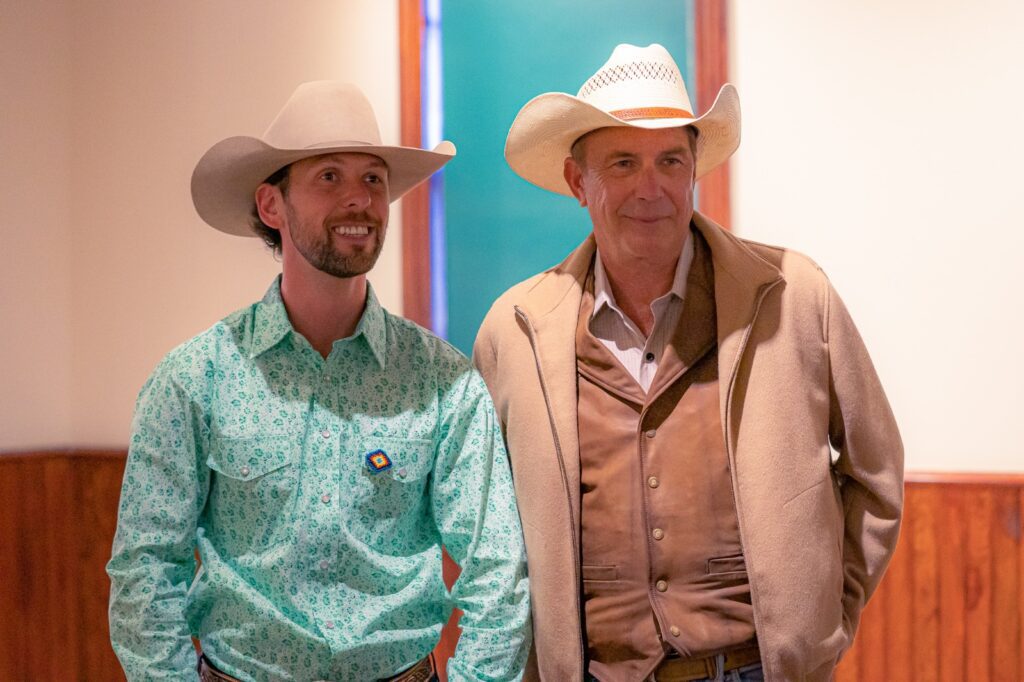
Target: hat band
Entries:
(650, 112)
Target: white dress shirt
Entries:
(620, 335)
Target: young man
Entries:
(316, 450)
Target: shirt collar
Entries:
(604, 298)
(271, 323)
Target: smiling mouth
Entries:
(351, 230)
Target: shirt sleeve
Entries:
(475, 511)
(863, 431)
(152, 562)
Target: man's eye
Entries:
(329, 176)
(624, 163)
(374, 179)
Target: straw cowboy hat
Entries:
(321, 117)
(640, 87)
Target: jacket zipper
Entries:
(531, 334)
(732, 457)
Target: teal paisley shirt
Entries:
(318, 494)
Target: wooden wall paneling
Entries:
(1017, 531)
(951, 605)
(1006, 592)
(952, 581)
(978, 597)
(895, 618)
(925, 612)
(872, 644)
(56, 528)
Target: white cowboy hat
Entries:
(321, 117)
(639, 87)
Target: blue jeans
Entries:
(747, 673)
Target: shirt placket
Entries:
(320, 502)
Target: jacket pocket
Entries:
(602, 574)
(727, 565)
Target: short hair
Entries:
(270, 236)
(578, 150)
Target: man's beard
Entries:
(316, 244)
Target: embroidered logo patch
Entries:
(378, 461)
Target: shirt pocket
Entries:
(251, 489)
(397, 485)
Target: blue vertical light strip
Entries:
(433, 133)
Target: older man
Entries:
(708, 472)
(314, 448)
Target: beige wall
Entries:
(106, 108)
(883, 139)
(35, 185)
(879, 137)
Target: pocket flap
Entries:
(249, 458)
(727, 564)
(600, 573)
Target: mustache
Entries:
(361, 218)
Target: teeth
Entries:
(352, 230)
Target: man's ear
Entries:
(270, 205)
(574, 178)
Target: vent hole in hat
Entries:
(631, 71)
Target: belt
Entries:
(423, 671)
(685, 669)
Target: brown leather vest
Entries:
(662, 562)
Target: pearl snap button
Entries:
(661, 585)
(245, 471)
(325, 498)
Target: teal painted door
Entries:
(496, 57)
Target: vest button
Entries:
(653, 482)
(650, 433)
(661, 586)
(658, 533)
(674, 630)
(649, 357)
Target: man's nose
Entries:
(648, 184)
(355, 195)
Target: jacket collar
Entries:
(552, 306)
(743, 272)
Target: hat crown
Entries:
(322, 114)
(637, 77)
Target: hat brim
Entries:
(544, 130)
(226, 177)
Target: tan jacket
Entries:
(817, 529)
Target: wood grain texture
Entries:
(416, 277)
(57, 523)
(712, 58)
(951, 606)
